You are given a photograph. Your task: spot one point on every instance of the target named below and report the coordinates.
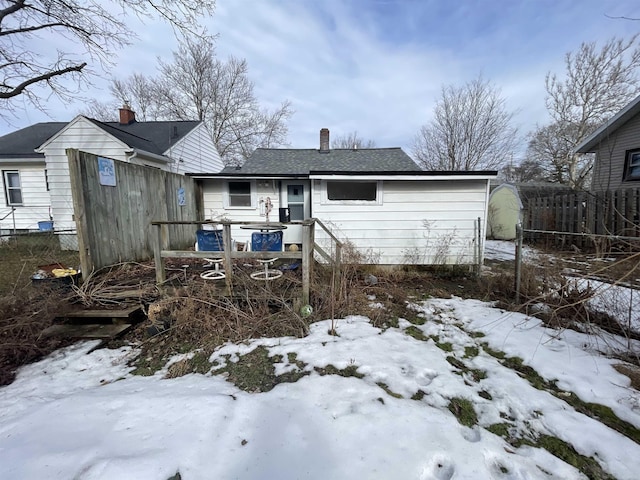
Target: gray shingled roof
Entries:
(23, 142)
(153, 137)
(289, 161)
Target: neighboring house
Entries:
(616, 145)
(35, 171)
(376, 198)
(25, 200)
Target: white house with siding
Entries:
(35, 171)
(378, 199)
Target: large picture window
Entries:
(239, 194)
(352, 191)
(12, 188)
(632, 165)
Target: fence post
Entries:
(87, 256)
(307, 255)
(518, 265)
(478, 246)
(157, 254)
(227, 245)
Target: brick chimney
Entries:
(324, 140)
(127, 116)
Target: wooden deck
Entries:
(306, 255)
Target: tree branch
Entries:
(40, 78)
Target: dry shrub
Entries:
(23, 317)
(561, 302)
(197, 317)
(118, 285)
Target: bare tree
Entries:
(471, 129)
(197, 84)
(140, 92)
(522, 172)
(95, 29)
(103, 111)
(597, 84)
(351, 140)
(137, 90)
(552, 147)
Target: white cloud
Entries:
(378, 66)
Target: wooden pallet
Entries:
(127, 315)
(96, 323)
(101, 331)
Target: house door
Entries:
(295, 195)
(295, 200)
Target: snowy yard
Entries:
(416, 401)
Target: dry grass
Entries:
(631, 371)
(189, 314)
(21, 255)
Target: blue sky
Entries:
(377, 66)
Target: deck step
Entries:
(102, 331)
(95, 316)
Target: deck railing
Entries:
(160, 236)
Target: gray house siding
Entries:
(608, 171)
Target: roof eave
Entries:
(591, 143)
(265, 176)
(153, 156)
(404, 175)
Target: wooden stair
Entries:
(99, 324)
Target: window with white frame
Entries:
(240, 194)
(12, 187)
(632, 165)
(348, 191)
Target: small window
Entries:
(12, 188)
(632, 165)
(240, 194)
(295, 200)
(352, 191)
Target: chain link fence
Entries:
(22, 255)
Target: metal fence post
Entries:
(518, 262)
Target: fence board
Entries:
(607, 213)
(114, 220)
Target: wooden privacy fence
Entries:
(113, 214)
(612, 213)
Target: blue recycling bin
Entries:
(45, 226)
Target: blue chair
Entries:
(211, 241)
(267, 242)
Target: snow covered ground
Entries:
(503, 250)
(84, 416)
(619, 301)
